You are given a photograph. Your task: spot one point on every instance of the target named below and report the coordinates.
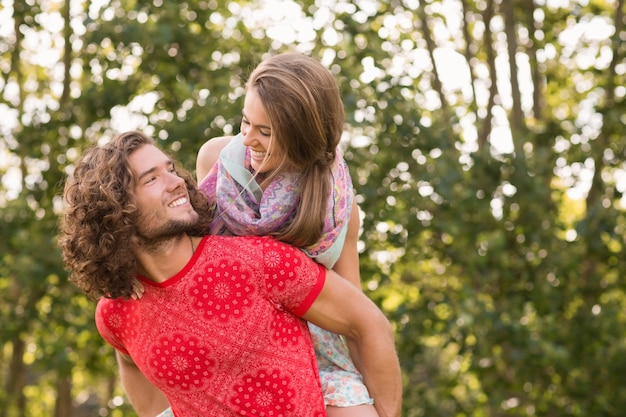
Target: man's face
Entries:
(163, 203)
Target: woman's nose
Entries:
(248, 137)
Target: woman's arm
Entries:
(208, 154)
(348, 263)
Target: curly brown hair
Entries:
(97, 230)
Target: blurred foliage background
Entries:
(487, 145)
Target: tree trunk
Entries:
(517, 118)
(430, 44)
(63, 406)
(532, 47)
(485, 128)
(16, 380)
(468, 53)
(67, 55)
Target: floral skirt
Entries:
(342, 384)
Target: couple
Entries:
(219, 329)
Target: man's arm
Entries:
(343, 309)
(146, 399)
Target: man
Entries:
(220, 328)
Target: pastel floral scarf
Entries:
(243, 208)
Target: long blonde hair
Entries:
(303, 103)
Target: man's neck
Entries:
(161, 262)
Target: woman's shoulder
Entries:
(209, 153)
(215, 144)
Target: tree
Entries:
(485, 140)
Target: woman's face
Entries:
(257, 134)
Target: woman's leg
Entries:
(363, 410)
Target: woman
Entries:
(283, 176)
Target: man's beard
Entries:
(154, 237)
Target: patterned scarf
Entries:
(243, 208)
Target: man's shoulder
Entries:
(247, 239)
(262, 245)
(105, 304)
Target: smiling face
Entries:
(257, 134)
(161, 195)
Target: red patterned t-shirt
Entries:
(222, 337)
